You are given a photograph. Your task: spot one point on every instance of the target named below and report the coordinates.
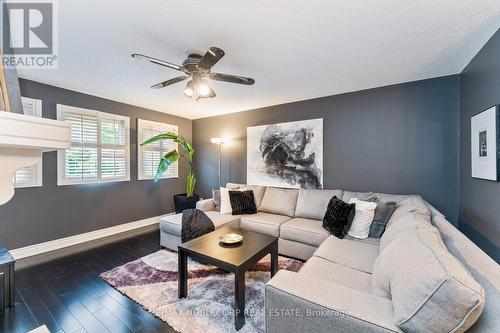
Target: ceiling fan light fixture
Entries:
(203, 88)
(189, 91)
(197, 70)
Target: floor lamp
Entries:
(219, 142)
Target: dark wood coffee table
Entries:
(235, 259)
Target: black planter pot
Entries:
(182, 202)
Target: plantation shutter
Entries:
(99, 147)
(30, 176)
(148, 156)
(114, 163)
(80, 163)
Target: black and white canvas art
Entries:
(286, 154)
(485, 144)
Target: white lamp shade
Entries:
(217, 141)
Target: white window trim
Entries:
(61, 180)
(37, 108)
(140, 125)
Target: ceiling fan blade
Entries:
(157, 61)
(169, 82)
(211, 57)
(232, 78)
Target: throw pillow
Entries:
(365, 212)
(338, 217)
(242, 202)
(195, 223)
(383, 214)
(225, 203)
(216, 198)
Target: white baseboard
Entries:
(61, 243)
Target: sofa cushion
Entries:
(356, 255)
(172, 224)
(369, 240)
(364, 196)
(312, 204)
(234, 186)
(323, 269)
(400, 223)
(483, 269)
(302, 230)
(413, 204)
(206, 205)
(431, 290)
(258, 192)
(279, 201)
(264, 223)
(383, 197)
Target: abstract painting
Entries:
(485, 144)
(286, 154)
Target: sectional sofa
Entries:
(422, 275)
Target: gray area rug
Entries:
(152, 282)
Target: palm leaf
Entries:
(173, 156)
(163, 136)
(165, 162)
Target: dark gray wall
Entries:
(41, 214)
(479, 199)
(396, 139)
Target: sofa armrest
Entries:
(434, 211)
(298, 303)
(206, 205)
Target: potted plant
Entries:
(185, 200)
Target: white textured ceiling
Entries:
(294, 49)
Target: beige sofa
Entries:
(293, 215)
(400, 282)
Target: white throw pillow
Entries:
(225, 202)
(365, 211)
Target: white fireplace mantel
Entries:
(23, 139)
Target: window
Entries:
(148, 156)
(30, 176)
(99, 150)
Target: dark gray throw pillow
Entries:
(242, 202)
(338, 217)
(383, 214)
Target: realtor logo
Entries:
(29, 37)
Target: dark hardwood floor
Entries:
(67, 294)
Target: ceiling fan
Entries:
(197, 70)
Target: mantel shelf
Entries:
(23, 139)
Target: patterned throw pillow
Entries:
(338, 217)
(242, 202)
